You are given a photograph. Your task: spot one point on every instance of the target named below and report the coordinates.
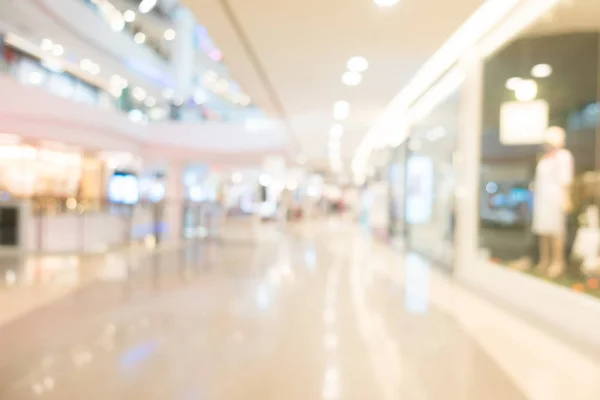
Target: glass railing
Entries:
(115, 20)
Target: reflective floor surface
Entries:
(312, 311)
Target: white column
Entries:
(183, 55)
(468, 163)
(174, 202)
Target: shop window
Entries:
(540, 175)
(429, 180)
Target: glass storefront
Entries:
(430, 176)
(397, 184)
(540, 157)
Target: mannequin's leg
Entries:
(544, 246)
(558, 256)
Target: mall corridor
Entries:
(309, 311)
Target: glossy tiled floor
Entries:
(314, 311)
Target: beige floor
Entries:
(315, 311)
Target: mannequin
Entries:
(553, 178)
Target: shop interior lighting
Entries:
(527, 90)
(386, 3)
(357, 64)
(147, 6)
(485, 18)
(341, 110)
(541, 71)
(513, 83)
(336, 131)
(129, 16)
(139, 38)
(351, 78)
(169, 34)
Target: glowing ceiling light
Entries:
(47, 45)
(386, 3)
(150, 102)
(513, 83)
(541, 71)
(117, 24)
(139, 38)
(336, 131)
(147, 6)
(139, 93)
(129, 16)
(357, 64)
(351, 78)
(169, 34)
(527, 90)
(118, 82)
(94, 69)
(58, 50)
(341, 110)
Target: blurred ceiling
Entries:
(290, 55)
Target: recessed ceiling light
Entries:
(169, 34)
(541, 71)
(351, 78)
(139, 38)
(386, 3)
(341, 110)
(336, 131)
(358, 64)
(129, 16)
(513, 83)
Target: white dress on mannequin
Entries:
(553, 173)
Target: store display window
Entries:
(430, 181)
(540, 159)
(397, 189)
